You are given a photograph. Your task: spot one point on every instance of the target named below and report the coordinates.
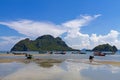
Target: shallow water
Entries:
(70, 69)
(68, 56)
(9, 68)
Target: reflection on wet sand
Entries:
(66, 70)
(45, 63)
(41, 62)
(34, 72)
(49, 62)
(58, 69)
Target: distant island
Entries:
(42, 43)
(105, 47)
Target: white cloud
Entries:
(79, 22)
(33, 28)
(73, 26)
(90, 41)
(6, 42)
(78, 40)
(112, 38)
(73, 38)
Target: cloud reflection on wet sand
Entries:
(67, 70)
(34, 72)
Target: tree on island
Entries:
(105, 47)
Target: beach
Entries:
(58, 67)
(23, 59)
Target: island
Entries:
(104, 49)
(42, 43)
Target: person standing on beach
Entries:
(91, 58)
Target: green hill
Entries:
(43, 43)
(105, 47)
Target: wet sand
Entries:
(45, 62)
(24, 55)
(57, 67)
(114, 63)
(40, 62)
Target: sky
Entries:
(80, 23)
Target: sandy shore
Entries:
(114, 63)
(5, 60)
(24, 55)
(42, 61)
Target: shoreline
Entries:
(39, 60)
(23, 54)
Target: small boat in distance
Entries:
(60, 53)
(99, 53)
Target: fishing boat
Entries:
(99, 53)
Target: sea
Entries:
(74, 67)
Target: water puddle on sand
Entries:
(66, 70)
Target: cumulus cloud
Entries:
(72, 28)
(78, 40)
(112, 38)
(90, 41)
(74, 36)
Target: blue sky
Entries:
(80, 23)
